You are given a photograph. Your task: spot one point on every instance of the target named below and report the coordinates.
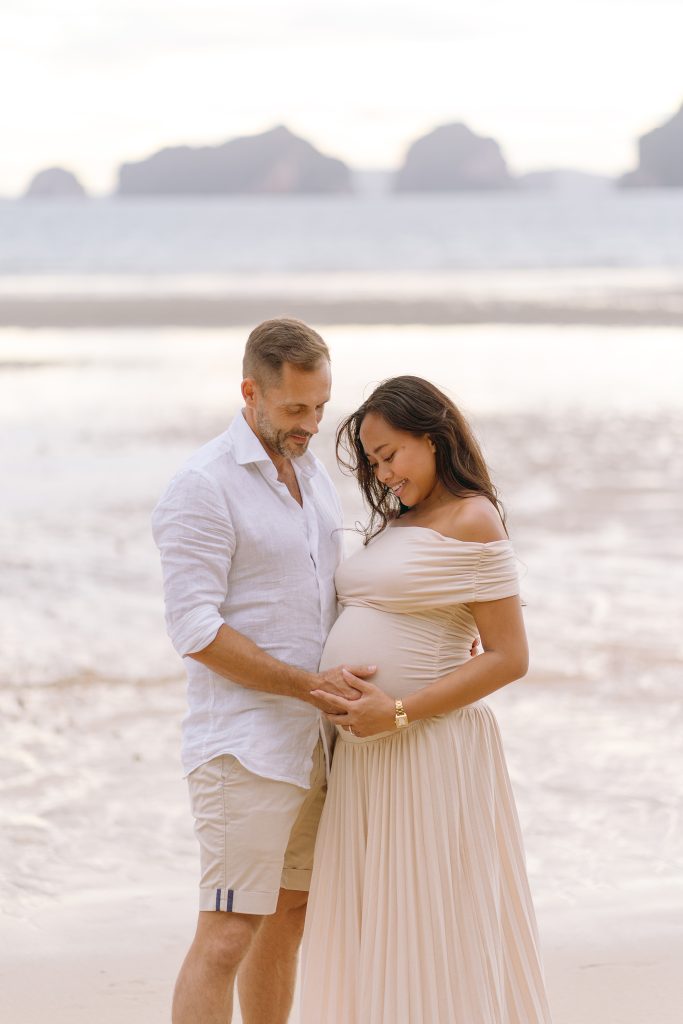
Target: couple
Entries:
(419, 908)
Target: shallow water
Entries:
(583, 429)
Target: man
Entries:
(249, 532)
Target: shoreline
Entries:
(655, 310)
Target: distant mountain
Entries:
(563, 180)
(274, 162)
(452, 158)
(55, 183)
(661, 157)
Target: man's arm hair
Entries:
(234, 656)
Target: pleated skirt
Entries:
(420, 910)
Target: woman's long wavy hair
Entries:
(418, 407)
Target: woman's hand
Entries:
(374, 711)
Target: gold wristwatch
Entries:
(401, 718)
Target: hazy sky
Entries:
(87, 84)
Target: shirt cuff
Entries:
(196, 630)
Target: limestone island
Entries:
(453, 158)
(661, 157)
(275, 161)
(55, 183)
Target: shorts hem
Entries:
(238, 901)
(298, 879)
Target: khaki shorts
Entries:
(255, 835)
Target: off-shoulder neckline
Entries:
(453, 540)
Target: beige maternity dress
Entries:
(420, 910)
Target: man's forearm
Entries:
(236, 657)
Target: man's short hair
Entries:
(275, 342)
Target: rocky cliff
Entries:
(661, 157)
(274, 162)
(451, 158)
(55, 183)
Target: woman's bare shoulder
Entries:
(475, 519)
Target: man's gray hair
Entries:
(275, 342)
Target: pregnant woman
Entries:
(420, 911)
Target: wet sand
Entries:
(213, 312)
(610, 296)
(118, 962)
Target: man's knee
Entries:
(288, 920)
(223, 939)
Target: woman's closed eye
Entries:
(375, 465)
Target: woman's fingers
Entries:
(360, 671)
(359, 684)
(331, 698)
(338, 719)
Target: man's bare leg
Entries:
(204, 989)
(267, 976)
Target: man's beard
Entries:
(280, 441)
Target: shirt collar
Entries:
(248, 448)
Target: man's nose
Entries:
(310, 424)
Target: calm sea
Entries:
(609, 228)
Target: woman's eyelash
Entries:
(374, 465)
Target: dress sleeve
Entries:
(496, 572)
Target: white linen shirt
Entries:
(237, 548)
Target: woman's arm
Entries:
(505, 659)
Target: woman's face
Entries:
(403, 462)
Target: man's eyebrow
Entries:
(303, 405)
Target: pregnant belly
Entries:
(409, 651)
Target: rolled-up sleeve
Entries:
(192, 528)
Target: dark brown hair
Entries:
(275, 342)
(418, 407)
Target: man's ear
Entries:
(248, 388)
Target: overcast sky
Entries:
(87, 84)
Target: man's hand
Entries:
(339, 682)
(370, 712)
(474, 649)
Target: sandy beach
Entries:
(119, 968)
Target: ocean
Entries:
(257, 235)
